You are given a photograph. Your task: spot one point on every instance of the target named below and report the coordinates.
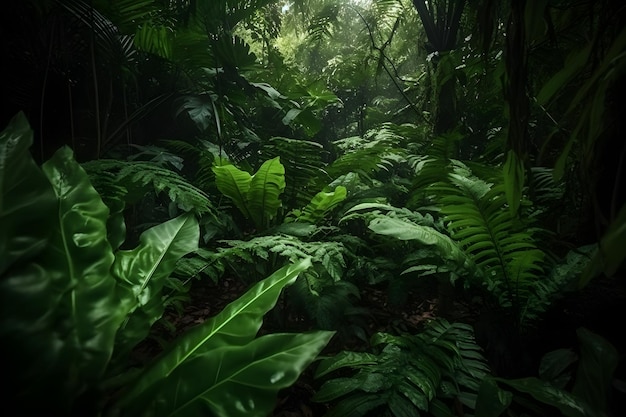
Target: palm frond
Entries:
(322, 23)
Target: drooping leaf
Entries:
(239, 381)
(142, 272)
(236, 325)
(514, 179)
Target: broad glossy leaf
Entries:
(239, 381)
(404, 230)
(63, 312)
(234, 184)
(266, 186)
(79, 257)
(27, 200)
(236, 325)
(142, 272)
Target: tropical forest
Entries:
(313, 208)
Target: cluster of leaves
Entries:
(71, 350)
(408, 374)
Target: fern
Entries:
(407, 374)
(501, 246)
(137, 178)
(379, 149)
(281, 248)
(303, 162)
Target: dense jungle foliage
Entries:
(323, 208)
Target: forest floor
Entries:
(599, 307)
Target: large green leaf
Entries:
(238, 381)
(514, 179)
(266, 186)
(26, 198)
(61, 312)
(405, 230)
(236, 325)
(79, 259)
(256, 196)
(142, 273)
(234, 184)
(491, 400)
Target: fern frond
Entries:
(502, 246)
(303, 162)
(178, 189)
(442, 364)
(379, 149)
(141, 177)
(328, 254)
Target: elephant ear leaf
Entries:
(79, 259)
(142, 273)
(61, 312)
(264, 194)
(26, 197)
(240, 381)
(234, 184)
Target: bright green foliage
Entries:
(256, 196)
(303, 165)
(408, 375)
(142, 272)
(482, 241)
(73, 307)
(282, 248)
(321, 204)
(221, 367)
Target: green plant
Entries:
(74, 307)
(583, 392)
(256, 196)
(432, 372)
